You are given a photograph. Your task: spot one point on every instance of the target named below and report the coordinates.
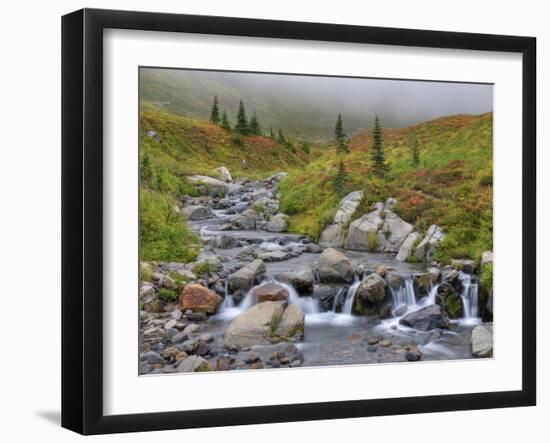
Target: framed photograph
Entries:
(269, 221)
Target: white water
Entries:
(469, 296)
(350, 297)
(404, 295)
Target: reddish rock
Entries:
(199, 298)
(270, 292)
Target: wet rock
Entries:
(481, 341)
(313, 248)
(329, 296)
(194, 363)
(334, 267)
(224, 363)
(464, 265)
(194, 213)
(152, 358)
(199, 298)
(223, 174)
(291, 324)
(422, 284)
(207, 338)
(247, 220)
(276, 178)
(270, 292)
(372, 288)
(413, 354)
(435, 275)
(373, 340)
(426, 319)
(274, 256)
(332, 236)
(427, 247)
(277, 223)
(201, 348)
(209, 185)
(301, 280)
(245, 277)
(394, 280)
(197, 316)
(400, 310)
(406, 248)
(386, 343)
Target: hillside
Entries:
(451, 186)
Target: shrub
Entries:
(486, 180)
(486, 280)
(372, 241)
(203, 267)
(168, 295)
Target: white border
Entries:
(125, 392)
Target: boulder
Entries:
(482, 341)
(426, 248)
(332, 236)
(276, 178)
(435, 275)
(395, 229)
(301, 280)
(154, 136)
(422, 283)
(450, 300)
(247, 220)
(312, 248)
(486, 258)
(405, 250)
(211, 186)
(223, 174)
(426, 319)
(372, 289)
(270, 292)
(291, 324)
(363, 233)
(256, 325)
(194, 363)
(245, 277)
(197, 212)
(347, 207)
(277, 223)
(464, 265)
(278, 255)
(334, 267)
(198, 298)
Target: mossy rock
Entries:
(372, 241)
(454, 306)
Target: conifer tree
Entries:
(378, 155)
(415, 153)
(254, 126)
(340, 179)
(215, 111)
(225, 121)
(242, 124)
(341, 145)
(271, 134)
(281, 138)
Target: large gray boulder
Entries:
(482, 341)
(334, 267)
(245, 277)
(276, 178)
(197, 212)
(332, 236)
(426, 319)
(372, 288)
(264, 322)
(301, 280)
(406, 248)
(223, 174)
(395, 230)
(277, 223)
(427, 247)
(214, 186)
(247, 220)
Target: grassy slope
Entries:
(190, 146)
(452, 186)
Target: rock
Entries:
(394, 280)
(347, 207)
(386, 343)
(292, 323)
(413, 354)
(154, 136)
(247, 220)
(169, 283)
(211, 186)
(191, 329)
(301, 280)
(422, 283)
(277, 223)
(170, 324)
(170, 353)
(256, 325)
(146, 290)
(371, 289)
(276, 178)
(427, 247)
(272, 256)
(450, 300)
(426, 319)
(396, 230)
(201, 348)
(312, 248)
(332, 236)
(224, 363)
(194, 363)
(186, 274)
(210, 260)
(178, 338)
(329, 296)
(152, 358)
(270, 292)
(363, 233)
(464, 265)
(223, 174)
(435, 275)
(207, 338)
(373, 340)
(405, 250)
(486, 258)
(197, 212)
(334, 267)
(199, 298)
(400, 311)
(482, 341)
(244, 278)
(226, 242)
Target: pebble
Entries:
(252, 357)
(179, 337)
(207, 338)
(386, 343)
(296, 364)
(373, 340)
(372, 349)
(170, 324)
(176, 314)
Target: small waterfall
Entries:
(316, 278)
(337, 299)
(405, 295)
(430, 300)
(350, 297)
(469, 296)
(228, 301)
(308, 305)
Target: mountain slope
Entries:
(451, 186)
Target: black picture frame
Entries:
(82, 219)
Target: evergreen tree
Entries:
(242, 125)
(341, 145)
(415, 153)
(378, 155)
(305, 148)
(215, 111)
(271, 134)
(225, 121)
(281, 138)
(340, 179)
(254, 126)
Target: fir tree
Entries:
(281, 138)
(305, 148)
(254, 126)
(415, 154)
(225, 121)
(340, 179)
(378, 155)
(242, 125)
(215, 111)
(271, 134)
(341, 145)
